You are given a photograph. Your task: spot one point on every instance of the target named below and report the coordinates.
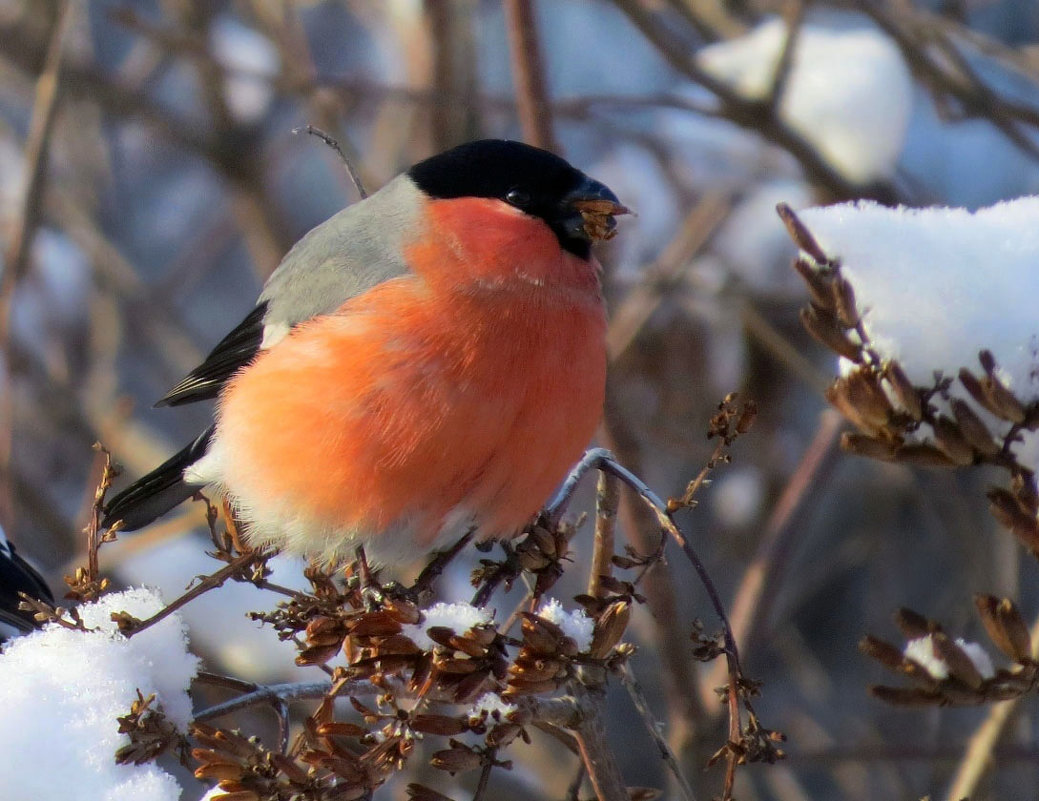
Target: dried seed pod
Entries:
(1005, 627)
(1005, 508)
(419, 792)
(819, 285)
(402, 611)
(457, 759)
(801, 235)
(221, 771)
(923, 455)
(952, 442)
(844, 302)
(906, 696)
(609, 628)
(913, 625)
(503, 734)
(830, 333)
(960, 665)
(341, 729)
(374, 624)
(885, 653)
(870, 447)
(519, 688)
(907, 394)
(973, 428)
(977, 391)
(1024, 489)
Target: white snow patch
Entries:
(61, 691)
(457, 617)
(848, 91)
(576, 625)
(938, 285)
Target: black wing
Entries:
(17, 575)
(232, 353)
(159, 491)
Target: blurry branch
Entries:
(978, 758)
(759, 116)
(936, 59)
(528, 75)
(16, 255)
(763, 575)
(659, 280)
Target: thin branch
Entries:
(16, 256)
(752, 600)
(977, 760)
(607, 498)
(351, 170)
(207, 583)
(528, 75)
(642, 705)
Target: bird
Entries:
(18, 576)
(427, 362)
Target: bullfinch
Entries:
(17, 576)
(428, 361)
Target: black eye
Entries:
(517, 197)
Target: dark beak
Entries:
(589, 211)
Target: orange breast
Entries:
(464, 390)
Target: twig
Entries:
(642, 705)
(794, 18)
(269, 694)
(598, 759)
(528, 74)
(16, 256)
(751, 602)
(355, 176)
(977, 759)
(207, 583)
(607, 498)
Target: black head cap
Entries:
(533, 180)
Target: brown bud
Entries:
(844, 297)
(951, 441)
(1005, 627)
(609, 628)
(903, 389)
(828, 331)
(456, 760)
(870, 447)
(818, 285)
(973, 428)
(914, 625)
(885, 653)
(801, 235)
(341, 729)
(923, 455)
(402, 611)
(220, 771)
(503, 734)
(1008, 512)
(906, 696)
(374, 624)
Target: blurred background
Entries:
(150, 181)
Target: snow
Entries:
(938, 285)
(576, 625)
(921, 650)
(61, 691)
(848, 90)
(457, 617)
(491, 705)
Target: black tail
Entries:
(17, 575)
(159, 491)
